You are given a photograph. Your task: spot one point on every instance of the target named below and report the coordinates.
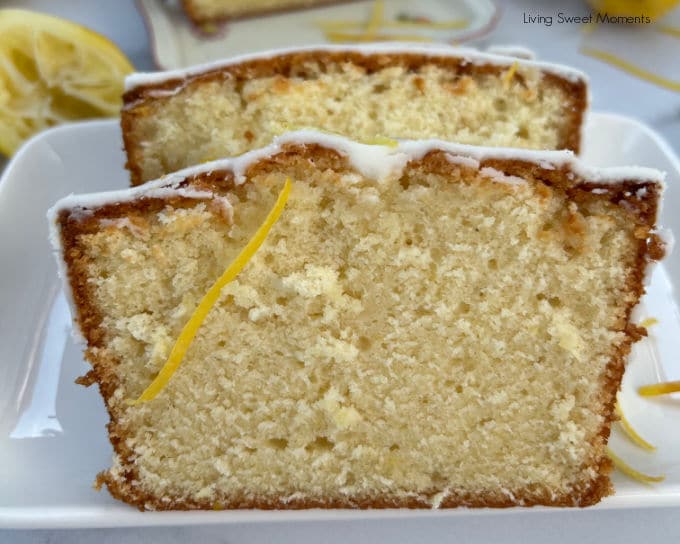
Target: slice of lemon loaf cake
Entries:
(425, 325)
(172, 120)
(207, 11)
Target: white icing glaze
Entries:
(518, 51)
(165, 187)
(377, 162)
(472, 56)
(373, 161)
(437, 500)
(500, 177)
(463, 161)
(650, 266)
(62, 273)
(160, 93)
(667, 238)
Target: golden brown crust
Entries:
(293, 64)
(192, 14)
(131, 495)
(649, 247)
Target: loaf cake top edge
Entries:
(469, 55)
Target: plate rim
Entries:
(154, 17)
(120, 515)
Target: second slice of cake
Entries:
(426, 325)
(174, 119)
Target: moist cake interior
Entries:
(227, 112)
(446, 336)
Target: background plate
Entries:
(177, 43)
(52, 435)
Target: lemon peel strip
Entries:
(631, 68)
(341, 37)
(210, 298)
(376, 18)
(663, 388)
(509, 74)
(631, 433)
(589, 28)
(453, 24)
(629, 471)
(370, 31)
(646, 323)
(382, 140)
(669, 30)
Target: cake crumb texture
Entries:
(435, 339)
(242, 107)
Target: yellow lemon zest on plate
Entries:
(631, 8)
(631, 68)
(339, 31)
(631, 433)
(509, 74)
(209, 28)
(453, 24)
(376, 19)
(669, 30)
(53, 71)
(646, 323)
(655, 389)
(342, 37)
(589, 28)
(629, 471)
(210, 298)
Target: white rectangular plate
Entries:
(53, 439)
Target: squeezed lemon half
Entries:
(54, 71)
